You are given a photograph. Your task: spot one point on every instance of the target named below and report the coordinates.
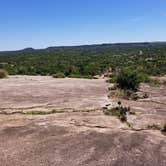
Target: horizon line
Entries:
(79, 45)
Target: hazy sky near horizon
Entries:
(43, 23)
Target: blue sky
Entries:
(43, 23)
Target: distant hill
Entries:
(110, 45)
(28, 49)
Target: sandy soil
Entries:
(87, 138)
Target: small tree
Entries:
(128, 80)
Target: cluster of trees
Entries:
(86, 61)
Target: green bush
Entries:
(128, 80)
(3, 73)
(58, 75)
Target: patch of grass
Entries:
(81, 76)
(58, 75)
(127, 94)
(131, 95)
(154, 82)
(112, 80)
(116, 94)
(44, 112)
(119, 111)
(3, 74)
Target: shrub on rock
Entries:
(3, 73)
(128, 80)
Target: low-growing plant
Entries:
(58, 75)
(116, 94)
(131, 95)
(81, 76)
(3, 73)
(44, 112)
(112, 80)
(126, 94)
(119, 111)
(154, 82)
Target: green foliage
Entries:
(3, 73)
(143, 77)
(58, 75)
(44, 112)
(83, 61)
(128, 80)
